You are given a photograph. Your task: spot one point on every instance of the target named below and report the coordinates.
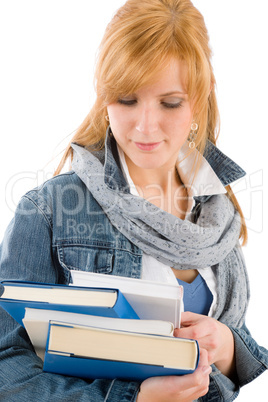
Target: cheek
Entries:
(120, 120)
(179, 126)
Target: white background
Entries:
(47, 60)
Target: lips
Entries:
(147, 146)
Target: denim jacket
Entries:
(58, 227)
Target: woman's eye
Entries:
(127, 102)
(172, 105)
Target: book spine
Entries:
(123, 307)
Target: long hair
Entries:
(139, 41)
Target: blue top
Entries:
(197, 296)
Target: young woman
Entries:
(148, 196)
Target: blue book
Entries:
(90, 352)
(15, 296)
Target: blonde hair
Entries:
(140, 41)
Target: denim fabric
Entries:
(59, 227)
(51, 233)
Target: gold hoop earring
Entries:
(193, 135)
(107, 118)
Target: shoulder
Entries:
(60, 193)
(57, 185)
(60, 180)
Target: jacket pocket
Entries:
(86, 258)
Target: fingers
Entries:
(203, 358)
(184, 388)
(196, 326)
(194, 385)
(211, 335)
(197, 329)
(188, 318)
(200, 378)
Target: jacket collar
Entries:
(214, 170)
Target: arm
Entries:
(26, 254)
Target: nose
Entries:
(147, 120)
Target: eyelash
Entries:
(127, 102)
(165, 104)
(172, 105)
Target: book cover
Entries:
(15, 296)
(150, 300)
(89, 352)
(104, 369)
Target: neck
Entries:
(161, 187)
(161, 179)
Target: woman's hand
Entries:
(184, 388)
(211, 335)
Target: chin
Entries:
(147, 163)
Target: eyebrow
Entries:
(173, 93)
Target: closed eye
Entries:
(171, 105)
(127, 102)
(167, 105)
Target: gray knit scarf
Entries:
(183, 244)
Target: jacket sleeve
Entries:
(26, 254)
(251, 361)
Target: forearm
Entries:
(45, 387)
(251, 361)
(22, 377)
(226, 363)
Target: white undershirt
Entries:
(205, 182)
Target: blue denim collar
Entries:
(225, 168)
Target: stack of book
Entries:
(110, 327)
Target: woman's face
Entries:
(152, 124)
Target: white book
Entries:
(36, 323)
(151, 300)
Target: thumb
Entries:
(203, 358)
